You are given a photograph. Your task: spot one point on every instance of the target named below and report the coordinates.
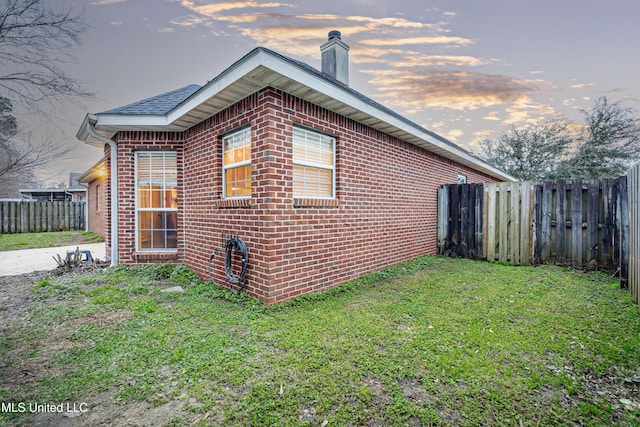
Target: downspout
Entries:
(113, 156)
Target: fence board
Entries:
(479, 221)
(490, 224)
(545, 233)
(464, 220)
(561, 222)
(624, 231)
(514, 224)
(536, 216)
(29, 216)
(526, 231)
(443, 217)
(607, 223)
(633, 276)
(593, 195)
(576, 223)
(503, 222)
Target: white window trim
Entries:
(225, 167)
(332, 168)
(137, 209)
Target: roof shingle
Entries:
(157, 105)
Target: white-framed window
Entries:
(462, 179)
(236, 164)
(313, 164)
(156, 200)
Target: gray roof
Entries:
(157, 105)
(73, 182)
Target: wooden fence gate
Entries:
(33, 217)
(582, 223)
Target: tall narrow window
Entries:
(237, 164)
(313, 164)
(98, 197)
(157, 201)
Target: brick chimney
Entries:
(335, 57)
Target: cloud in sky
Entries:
(405, 73)
(439, 39)
(412, 65)
(525, 110)
(107, 2)
(415, 89)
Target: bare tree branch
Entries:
(19, 156)
(34, 47)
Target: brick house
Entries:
(96, 203)
(322, 183)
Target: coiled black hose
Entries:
(234, 244)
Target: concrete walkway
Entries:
(28, 260)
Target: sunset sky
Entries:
(466, 69)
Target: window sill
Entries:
(156, 256)
(305, 202)
(233, 203)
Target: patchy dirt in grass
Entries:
(16, 295)
(104, 409)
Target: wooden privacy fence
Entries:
(582, 223)
(32, 217)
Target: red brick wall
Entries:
(385, 212)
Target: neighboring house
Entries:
(96, 202)
(322, 183)
(74, 192)
(77, 190)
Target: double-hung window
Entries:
(237, 164)
(313, 164)
(156, 200)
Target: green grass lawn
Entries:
(435, 341)
(12, 242)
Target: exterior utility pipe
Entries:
(113, 155)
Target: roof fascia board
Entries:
(132, 120)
